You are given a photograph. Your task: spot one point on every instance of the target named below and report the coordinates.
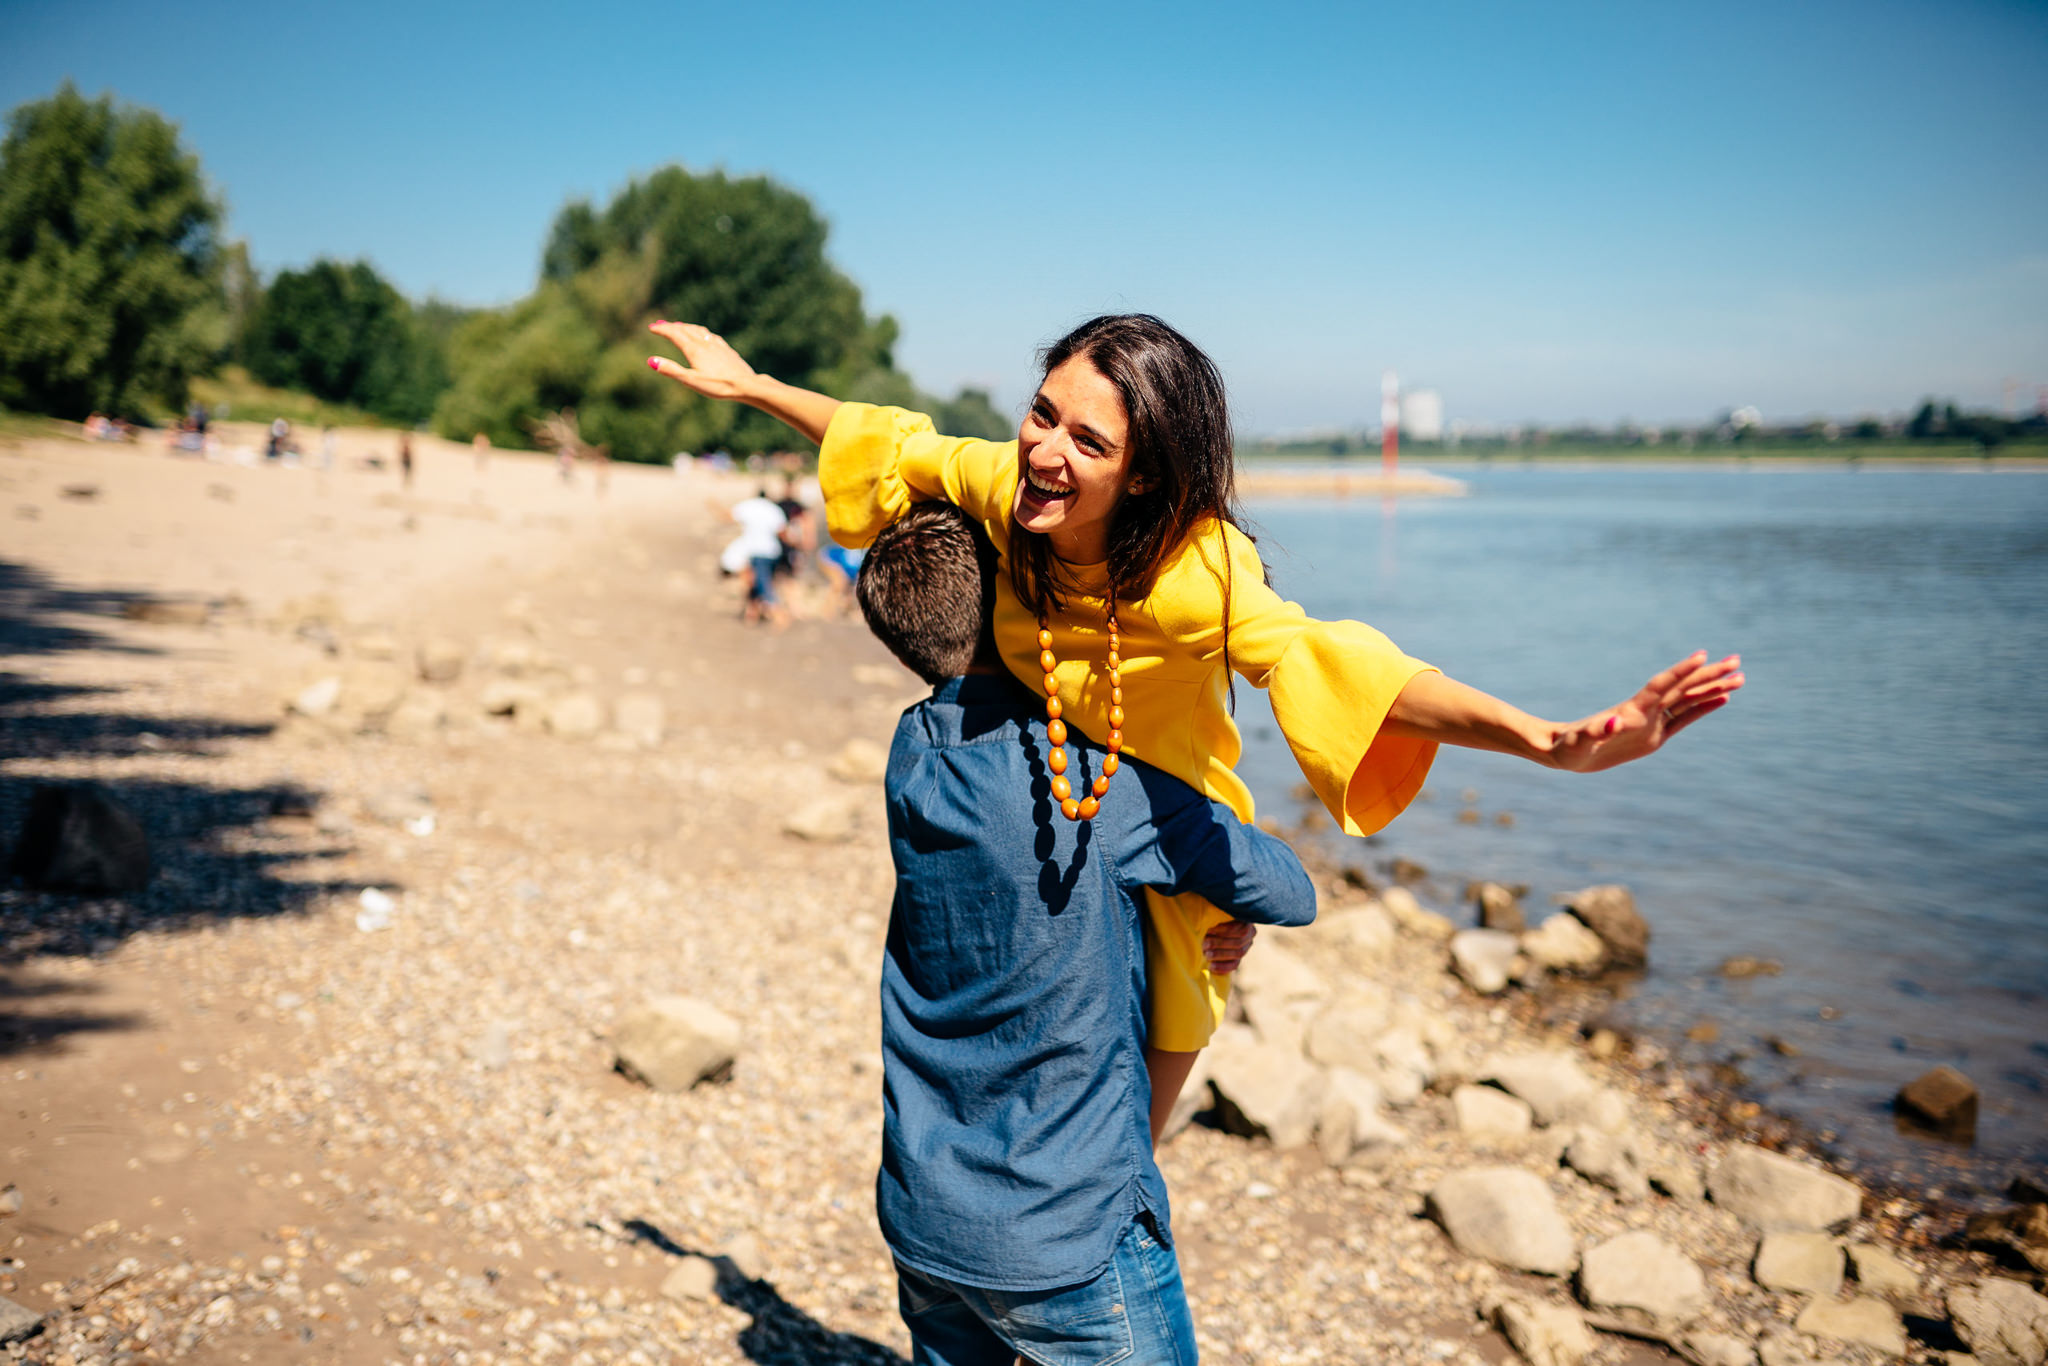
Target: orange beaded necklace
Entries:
(1056, 729)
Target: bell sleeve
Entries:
(875, 462)
(1332, 683)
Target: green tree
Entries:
(970, 413)
(342, 333)
(744, 256)
(110, 260)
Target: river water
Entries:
(1872, 811)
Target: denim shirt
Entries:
(1015, 1140)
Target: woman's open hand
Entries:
(714, 370)
(1667, 704)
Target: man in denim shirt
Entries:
(1018, 1191)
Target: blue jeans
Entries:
(763, 589)
(1135, 1312)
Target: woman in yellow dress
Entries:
(1131, 595)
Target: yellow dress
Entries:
(1331, 682)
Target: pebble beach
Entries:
(443, 783)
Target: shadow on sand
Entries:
(781, 1334)
(219, 851)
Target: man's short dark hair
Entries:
(928, 587)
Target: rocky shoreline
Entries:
(502, 990)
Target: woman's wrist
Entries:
(760, 391)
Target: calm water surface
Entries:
(1872, 811)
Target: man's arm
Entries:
(1200, 846)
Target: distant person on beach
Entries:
(1018, 1191)
(839, 566)
(327, 440)
(755, 551)
(481, 446)
(799, 532)
(1131, 595)
(405, 459)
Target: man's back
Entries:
(1016, 1148)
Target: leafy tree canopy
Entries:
(342, 333)
(110, 260)
(744, 256)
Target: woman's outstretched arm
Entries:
(715, 370)
(1435, 707)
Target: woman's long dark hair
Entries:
(1181, 449)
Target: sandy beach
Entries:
(441, 783)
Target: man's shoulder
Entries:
(975, 723)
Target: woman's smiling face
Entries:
(1073, 461)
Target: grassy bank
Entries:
(234, 394)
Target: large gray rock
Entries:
(1545, 1334)
(1348, 1118)
(674, 1042)
(1810, 1263)
(829, 819)
(1879, 1271)
(576, 716)
(859, 760)
(1564, 944)
(18, 1322)
(1608, 1160)
(1346, 1032)
(317, 698)
(1276, 972)
(1942, 1100)
(1490, 1117)
(1499, 908)
(1715, 1349)
(1264, 1091)
(1486, 959)
(76, 837)
(504, 696)
(1783, 1347)
(1640, 1271)
(1610, 912)
(441, 660)
(1369, 929)
(1606, 1110)
(1776, 1194)
(693, 1278)
(1553, 1083)
(1870, 1322)
(419, 715)
(1409, 914)
(1404, 1063)
(2005, 1323)
(373, 691)
(1505, 1215)
(1276, 1021)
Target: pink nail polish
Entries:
(653, 364)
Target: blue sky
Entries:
(1546, 211)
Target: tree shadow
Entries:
(781, 1334)
(33, 605)
(28, 1027)
(219, 851)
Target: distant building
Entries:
(1422, 415)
